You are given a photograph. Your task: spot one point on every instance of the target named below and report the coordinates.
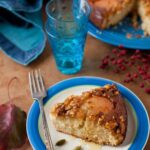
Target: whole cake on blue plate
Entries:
(106, 13)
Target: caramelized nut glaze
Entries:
(104, 106)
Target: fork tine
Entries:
(33, 81)
(30, 83)
(37, 80)
(41, 81)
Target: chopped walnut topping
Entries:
(118, 131)
(70, 97)
(104, 95)
(117, 92)
(107, 87)
(102, 117)
(90, 116)
(111, 125)
(99, 121)
(86, 95)
(108, 96)
(70, 113)
(122, 119)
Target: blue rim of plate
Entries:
(143, 128)
(118, 37)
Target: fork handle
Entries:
(48, 140)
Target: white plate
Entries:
(138, 120)
(72, 141)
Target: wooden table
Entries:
(19, 91)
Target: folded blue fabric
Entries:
(21, 34)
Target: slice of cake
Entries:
(97, 116)
(109, 12)
(144, 12)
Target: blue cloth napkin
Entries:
(21, 35)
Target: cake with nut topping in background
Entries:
(97, 116)
(144, 12)
(106, 13)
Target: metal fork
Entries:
(38, 92)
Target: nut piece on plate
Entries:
(144, 12)
(109, 12)
(97, 116)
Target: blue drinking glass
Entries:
(66, 28)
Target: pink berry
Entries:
(142, 85)
(135, 75)
(119, 61)
(139, 68)
(116, 71)
(137, 51)
(107, 56)
(126, 62)
(123, 52)
(123, 68)
(118, 55)
(102, 67)
(114, 51)
(146, 67)
(126, 81)
(144, 60)
(130, 65)
(128, 75)
(111, 59)
(114, 62)
(131, 79)
(141, 72)
(148, 76)
(147, 90)
(105, 62)
(138, 56)
(133, 57)
(145, 78)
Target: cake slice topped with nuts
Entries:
(106, 13)
(98, 116)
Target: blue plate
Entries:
(142, 133)
(117, 35)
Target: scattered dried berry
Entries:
(134, 64)
(142, 85)
(137, 51)
(119, 61)
(147, 90)
(114, 51)
(135, 75)
(128, 75)
(112, 59)
(123, 52)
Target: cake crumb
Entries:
(128, 35)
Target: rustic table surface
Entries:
(19, 91)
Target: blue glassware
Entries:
(66, 28)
